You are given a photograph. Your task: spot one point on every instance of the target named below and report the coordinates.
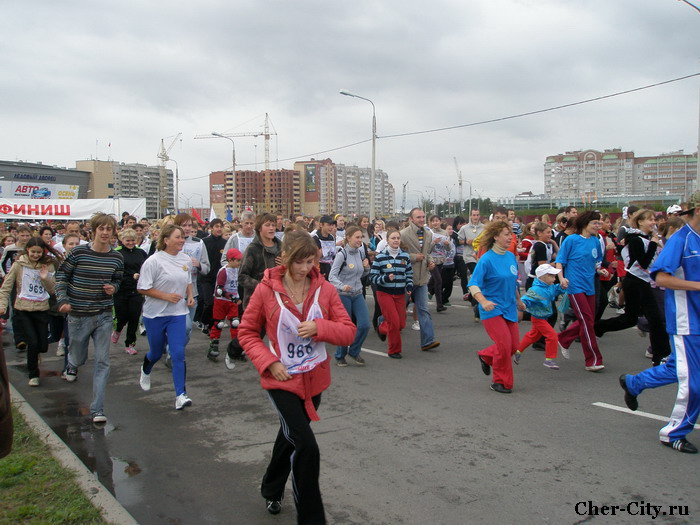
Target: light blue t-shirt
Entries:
(497, 277)
(579, 256)
(680, 257)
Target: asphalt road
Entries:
(417, 441)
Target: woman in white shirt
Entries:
(166, 282)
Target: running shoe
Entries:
(230, 364)
(498, 387)
(145, 381)
(397, 355)
(34, 381)
(21, 346)
(61, 350)
(446, 303)
(71, 373)
(273, 506)
(595, 368)
(564, 352)
(341, 362)
(551, 364)
(115, 336)
(359, 360)
(516, 357)
(485, 367)
(630, 400)
(415, 326)
(99, 417)
(142, 329)
(182, 401)
(131, 350)
(681, 445)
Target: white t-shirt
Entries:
(167, 273)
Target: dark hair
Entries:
(433, 217)
(262, 219)
(501, 210)
(458, 221)
(214, 222)
(44, 228)
(582, 221)
(49, 256)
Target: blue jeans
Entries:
(81, 329)
(355, 305)
(168, 330)
(420, 297)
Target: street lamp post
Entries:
(201, 201)
(233, 169)
(372, 210)
(177, 186)
(470, 199)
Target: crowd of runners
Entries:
(284, 287)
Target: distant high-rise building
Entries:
(318, 186)
(591, 174)
(112, 179)
(274, 191)
(352, 191)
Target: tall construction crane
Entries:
(163, 156)
(265, 133)
(403, 199)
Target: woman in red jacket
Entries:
(300, 311)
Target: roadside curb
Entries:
(112, 510)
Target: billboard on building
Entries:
(38, 190)
(310, 177)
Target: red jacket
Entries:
(263, 312)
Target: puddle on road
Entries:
(71, 422)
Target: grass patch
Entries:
(36, 489)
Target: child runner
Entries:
(393, 274)
(539, 299)
(33, 278)
(226, 303)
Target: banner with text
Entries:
(41, 190)
(66, 209)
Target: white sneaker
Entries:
(595, 368)
(61, 350)
(415, 326)
(145, 381)
(230, 363)
(34, 381)
(564, 352)
(182, 401)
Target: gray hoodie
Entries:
(347, 270)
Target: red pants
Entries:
(506, 337)
(540, 327)
(584, 308)
(394, 311)
(223, 309)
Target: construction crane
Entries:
(163, 156)
(403, 199)
(265, 133)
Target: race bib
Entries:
(32, 288)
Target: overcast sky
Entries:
(77, 75)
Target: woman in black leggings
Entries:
(639, 253)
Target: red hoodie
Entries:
(262, 312)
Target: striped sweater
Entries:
(400, 266)
(82, 276)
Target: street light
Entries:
(177, 186)
(233, 182)
(374, 150)
(470, 198)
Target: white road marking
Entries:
(634, 413)
(383, 354)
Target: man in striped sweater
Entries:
(85, 285)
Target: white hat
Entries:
(544, 269)
(673, 208)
